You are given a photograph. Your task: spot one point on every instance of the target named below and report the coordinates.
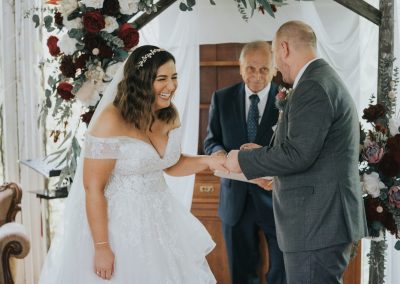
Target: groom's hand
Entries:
(232, 163)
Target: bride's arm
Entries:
(95, 177)
(188, 165)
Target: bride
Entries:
(122, 225)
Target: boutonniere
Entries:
(282, 97)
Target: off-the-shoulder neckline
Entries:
(137, 139)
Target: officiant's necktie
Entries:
(252, 118)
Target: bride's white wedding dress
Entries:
(154, 238)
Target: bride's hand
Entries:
(104, 262)
(216, 162)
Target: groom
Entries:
(317, 199)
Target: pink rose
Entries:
(373, 153)
(394, 195)
(281, 95)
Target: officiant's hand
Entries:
(265, 184)
(232, 163)
(247, 146)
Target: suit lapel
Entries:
(241, 107)
(268, 119)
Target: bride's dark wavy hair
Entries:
(135, 95)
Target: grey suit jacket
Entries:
(317, 197)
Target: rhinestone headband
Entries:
(147, 56)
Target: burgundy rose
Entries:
(393, 143)
(67, 67)
(64, 90)
(80, 62)
(394, 196)
(93, 21)
(388, 165)
(92, 41)
(87, 117)
(111, 7)
(373, 153)
(374, 112)
(58, 19)
(52, 45)
(376, 212)
(105, 51)
(129, 35)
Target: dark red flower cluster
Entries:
(93, 21)
(64, 90)
(67, 66)
(374, 112)
(129, 35)
(375, 212)
(52, 45)
(87, 116)
(111, 7)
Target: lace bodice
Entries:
(138, 165)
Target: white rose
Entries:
(372, 184)
(88, 94)
(74, 24)
(66, 7)
(97, 4)
(392, 94)
(67, 45)
(112, 69)
(111, 24)
(95, 73)
(128, 7)
(394, 124)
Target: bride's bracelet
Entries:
(100, 243)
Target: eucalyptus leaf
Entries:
(48, 20)
(183, 7)
(267, 7)
(212, 2)
(65, 139)
(121, 54)
(36, 20)
(76, 13)
(75, 33)
(252, 4)
(191, 3)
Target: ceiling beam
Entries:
(146, 18)
(363, 9)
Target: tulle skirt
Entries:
(154, 238)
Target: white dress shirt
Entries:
(263, 95)
(296, 80)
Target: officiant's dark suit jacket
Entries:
(227, 130)
(316, 195)
(244, 206)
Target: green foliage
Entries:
(376, 261)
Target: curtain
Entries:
(21, 88)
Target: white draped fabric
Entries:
(348, 42)
(20, 89)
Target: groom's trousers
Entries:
(322, 266)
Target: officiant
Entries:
(243, 115)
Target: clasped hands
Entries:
(228, 162)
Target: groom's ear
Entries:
(285, 48)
